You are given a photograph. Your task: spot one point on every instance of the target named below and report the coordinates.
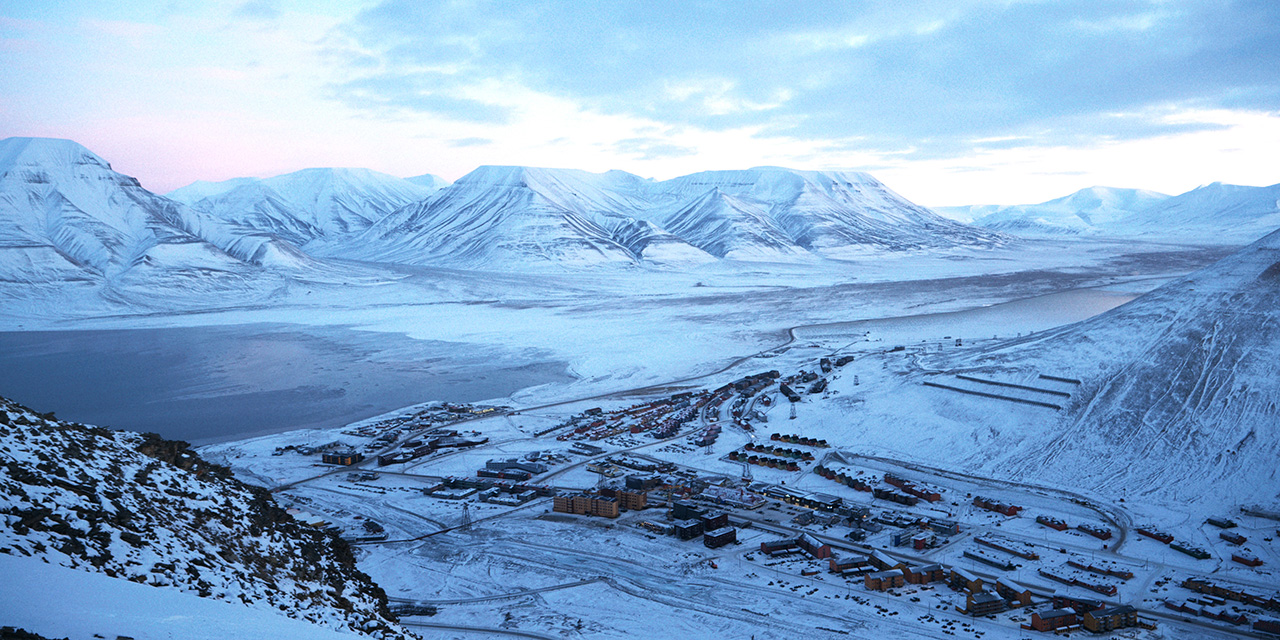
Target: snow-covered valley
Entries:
(591, 322)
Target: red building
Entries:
(1052, 620)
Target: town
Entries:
(716, 476)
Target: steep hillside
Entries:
(308, 204)
(1179, 393)
(1092, 211)
(139, 508)
(1213, 214)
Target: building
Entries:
(884, 580)
(984, 603)
(533, 468)
(1233, 538)
(882, 562)
(685, 510)
(1013, 592)
(344, 458)
(688, 529)
(716, 520)
(1079, 605)
(852, 563)
(962, 580)
(779, 547)
(633, 500)
(944, 527)
(1053, 619)
(720, 537)
(1247, 560)
(925, 574)
(814, 548)
(1110, 618)
(585, 504)
(643, 483)
(998, 507)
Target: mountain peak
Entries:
(46, 153)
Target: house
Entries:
(818, 550)
(884, 580)
(1110, 618)
(1053, 619)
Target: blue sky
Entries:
(949, 102)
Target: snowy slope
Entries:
(308, 204)
(66, 215)
(731, 227)
(831, 213)
(432, 182)
(58, 602)
(146, 510)
(1180, 387)
(504, 217)
(1216, 214)
(1094, 210)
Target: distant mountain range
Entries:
(308, 204)
(1212, 214)
(67, 216)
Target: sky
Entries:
(948, 102)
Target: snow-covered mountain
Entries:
(1213, 214)
(516, 216)
(507, 216)
(65, 215)
(1095, 210)
(141, 509)
(309, 204)
(829, 213)
(1179, 392)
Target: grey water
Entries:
(213, 384)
